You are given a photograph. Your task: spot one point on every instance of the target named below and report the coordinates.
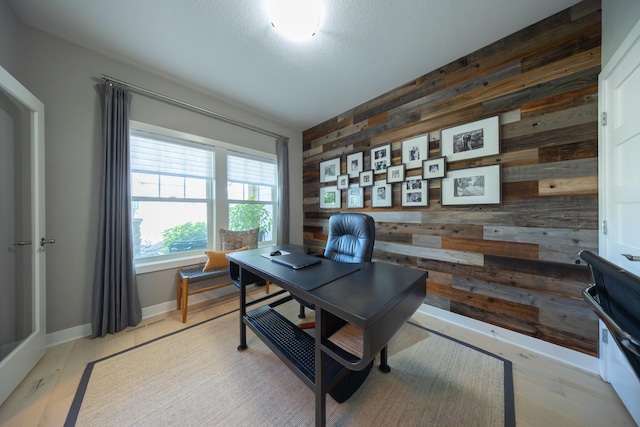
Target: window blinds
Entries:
(247, 169)
(151, 154)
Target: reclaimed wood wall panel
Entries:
(516, 264)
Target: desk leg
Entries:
(243, 312)
(320, 363)
(384, 366)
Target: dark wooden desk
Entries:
(378, 299)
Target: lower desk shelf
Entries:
(294, 346)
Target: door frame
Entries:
(609, 355)
(24, 357)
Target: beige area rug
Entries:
(196, 377)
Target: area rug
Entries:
(196, 377)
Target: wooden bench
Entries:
(187, 276)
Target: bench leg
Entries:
(266, 288)
(185, 298)
(178, 293)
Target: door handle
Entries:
(44, 241)
(631, 257)
(22, 243)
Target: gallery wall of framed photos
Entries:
(471, 186)
(485, 250)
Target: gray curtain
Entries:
(282, 153)
(115, 302)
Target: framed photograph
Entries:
(343, 182)
(474, 186)
(415, 151)
(329, 170)
(434, 168)
(395, 173)
(355, 197)
(366, 179)
(471, 140)
(380, 158)
(381, 195)
(414, 192)
(330, 198)
(355, 164)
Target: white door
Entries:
(22, 257)
(619, 164)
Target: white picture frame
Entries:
(415, 192)
(434, 168)
(475, 139)
(355, 197)
(355, 164)
(396, 173)
(366, 178)
(415, 151)
(380, 159)
(330, 198)
(381, 195)
(329, 170)
(473, 186)
(343, 182)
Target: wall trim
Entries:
(558, 353)
(83, 331)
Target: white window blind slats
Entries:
(153, 156)
(250, 170)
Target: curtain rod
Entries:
(156, 95)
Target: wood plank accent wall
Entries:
(516, 264)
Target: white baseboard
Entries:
(561, 354)
(82, 331)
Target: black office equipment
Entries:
(614, 296)
(296, 261)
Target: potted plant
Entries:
(250, 215)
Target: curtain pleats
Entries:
(282, 153)
(115, 303)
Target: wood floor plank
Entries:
(547, 393)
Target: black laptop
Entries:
(296, 261)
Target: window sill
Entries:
(150, 267)
(143, 267)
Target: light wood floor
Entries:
(547, 393)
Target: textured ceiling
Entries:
(363, 49)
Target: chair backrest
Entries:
(231, 239)
(351, 238)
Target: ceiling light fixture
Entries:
(295, 19)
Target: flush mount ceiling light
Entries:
(295, 19)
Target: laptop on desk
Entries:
(296, 261)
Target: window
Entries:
(179, 195)
(172, 196)
(252, 192)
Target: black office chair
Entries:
(351, 239)
(614, 296)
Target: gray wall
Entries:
(63, 76)
(10, 45)
(618, 18)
